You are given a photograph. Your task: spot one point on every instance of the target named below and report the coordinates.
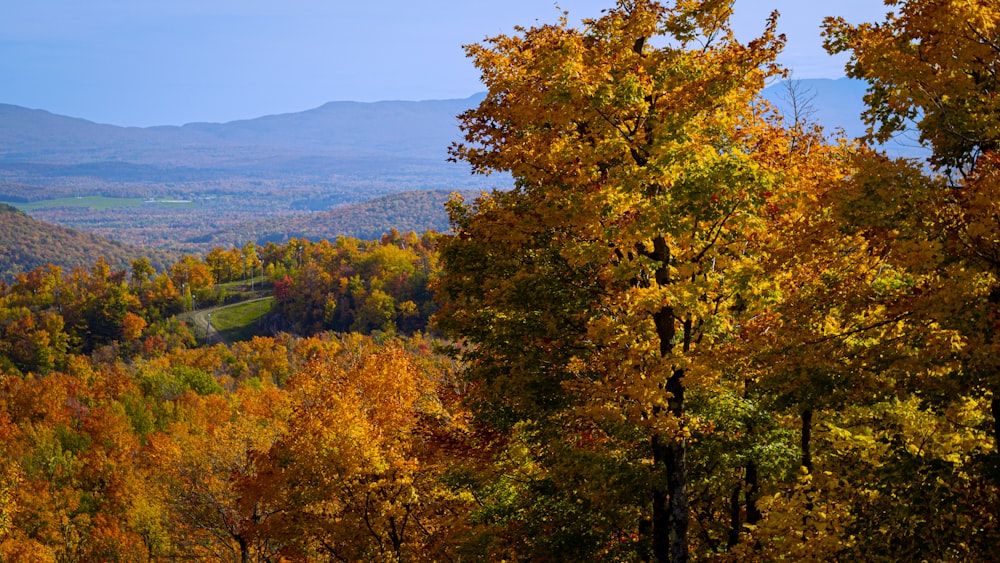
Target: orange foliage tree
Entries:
(359, 474)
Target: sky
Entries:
(170, 62)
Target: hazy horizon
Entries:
(126, 64)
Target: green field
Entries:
(100, 203)
(239, 322)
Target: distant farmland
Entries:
(99, 203)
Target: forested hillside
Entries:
(26, 244)
(129, 437)
(417, 211)
(694, 330)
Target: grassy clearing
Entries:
(239, 322)
(229, 292)
(98, 203)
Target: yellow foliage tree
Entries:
(596, 296)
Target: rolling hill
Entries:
(417, 211)
(27, 243)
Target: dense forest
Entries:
(694, 330)
(27, 243)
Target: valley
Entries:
(217, 180)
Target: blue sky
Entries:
(169, 62)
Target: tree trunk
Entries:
(244, 549)
(752, 482)
(807, 416)
(995, 409)
(751, 491)
(670, 514)
(734, 517)
(670, 507)
(676, 466)
(663, 500)
(661, 507)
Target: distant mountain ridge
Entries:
(837, 104)
(370, 148)
(387, 132)
(418, 129)
(238, 172)
(413, 129)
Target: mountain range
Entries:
(837, 105)
(354, 129)
(339, 139)
(236, 173)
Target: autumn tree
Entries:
(359, 474)
(192, 273)
(251, 260)
(200, 462)
(95, 303)
(932, 66)
(592, 295)
(224, 264)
